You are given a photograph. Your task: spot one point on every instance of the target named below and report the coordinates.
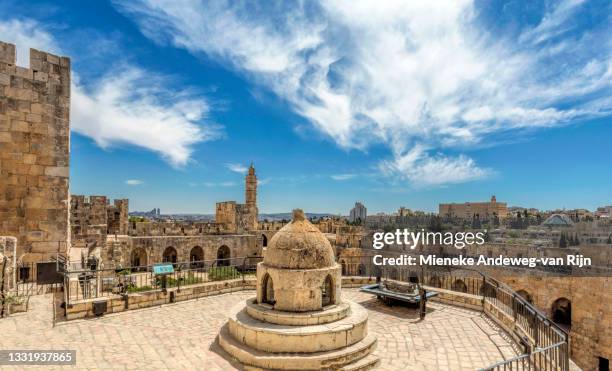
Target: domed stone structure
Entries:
(298, 320)
(299, 272)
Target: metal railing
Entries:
(97, 283)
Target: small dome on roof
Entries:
(299, 245)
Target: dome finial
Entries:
(298, 214)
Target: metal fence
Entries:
(95, 283)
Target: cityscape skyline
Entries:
(519, 108)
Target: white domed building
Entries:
(298, 319)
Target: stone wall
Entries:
(34, 153)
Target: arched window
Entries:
(138, 258)
(170, 255)
(343, 265)
(196, 257)
(361, 270)
(223, 256)
(435, 282)
(459, 285)
(562, 311)
(327, 291)
(525, 295)
(267, 287)
(264, 240)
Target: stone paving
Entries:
(182, 336)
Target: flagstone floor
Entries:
(182, 336)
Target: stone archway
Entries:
(170, 255)
(327, 291)
(223, 256)
(196, 257)
(561, 311)
(459, 285)
(139, 259)
(264, 240)
(267, 295)
(361, 270)
(435, 282)
(525, 295)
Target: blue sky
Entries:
(400, 104)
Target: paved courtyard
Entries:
(182, 336)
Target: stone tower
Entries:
(298, 320)
(251, 199)
(35, 153)
(251, 187)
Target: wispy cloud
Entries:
(237, 168)
(419, 77)
(343, 176)
(127, 105)
(219, 184)
(134, 182)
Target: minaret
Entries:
(251, 199)
(251, 187)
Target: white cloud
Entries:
(421, 77)
(219, 184)
(237, 168)
(343, 176)
(134, 182)
(421, 169)
(127, 105)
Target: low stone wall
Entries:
(458, 299)
(117, 303)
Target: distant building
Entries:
(469, 210)
(359, 212)
(558, 220)
(604, 212)
(403, 211)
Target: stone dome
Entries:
(299, 245)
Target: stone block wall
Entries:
(35, 153)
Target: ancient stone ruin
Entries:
(298, 319)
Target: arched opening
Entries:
(327, 291)
(459, 285)
(138, 258)
(392, 273)
(223, 256)
(264, 240)
(170, 255)
(196, 257)
(435, 281)
(343, 265)
(525, 295)
(562, 312)
(413, 278)
(267, 287)
(361, 270)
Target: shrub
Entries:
(222, 273)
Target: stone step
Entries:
(265, 313)
(368, 362)
(328, 360)
(275, 338)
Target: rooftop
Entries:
(182, 335)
